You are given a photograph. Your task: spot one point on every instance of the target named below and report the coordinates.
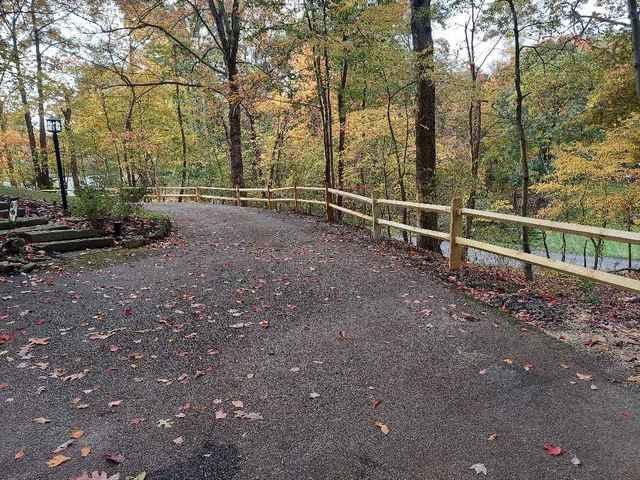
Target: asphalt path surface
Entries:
(261, 345)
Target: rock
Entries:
(28, 267)
(9, 267)
(133, 242)
(14, 245)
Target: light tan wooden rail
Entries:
(455, 212)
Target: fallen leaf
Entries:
(575, 460)
(238, 403)
(634, 379)
(39, 341)
(95, 475)
(552, 449)
(492, 437)
(220, 414)
(165, 423)
(178, 441)
(584, 376)
(383, 428)
(115, 403)
(314, 395)
(64, 446)
(376, 403)
(114, 457)
(41, 420)
(479, 468)
(57, 460)
(19, 455)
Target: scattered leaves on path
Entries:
(552, 450)
(383, 428)
(114, 457)
(95, 475)
(479, 468)
(57, 460)
(634, 379)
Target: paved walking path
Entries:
(325, 338)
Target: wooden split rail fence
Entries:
(455, 211)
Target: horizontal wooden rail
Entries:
(252, 189)
(411, 228)
(571, 228)
(349, 211)
(173, 195)
(220, 189)
(282, 189)
(286, 200)
(217, 197)
(251, 199)
(353, 196)
(311, 189)
(311, 201)
(419, 206)
(609, 278)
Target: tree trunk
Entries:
(183, 141)
(425, 118)
(43, 155)
(235, 128)
(524, 164)
(256, 164)
(342, 121)
(39, 180)
(475, 115)
(632, 6)
(73, 159)
(107, 119)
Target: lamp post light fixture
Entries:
(54, 126)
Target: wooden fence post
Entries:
(198, 199)
(327, 207)
(455, 230)
(268, 196)
(295, 197)
(237, 195)
(375, 227)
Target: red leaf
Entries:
(552, 449)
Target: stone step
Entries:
(73, 245)
(42, 236)
(4, 212)
(23, 222)
(34, 228)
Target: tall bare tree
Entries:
(425, 117)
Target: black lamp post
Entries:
(54, 126)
